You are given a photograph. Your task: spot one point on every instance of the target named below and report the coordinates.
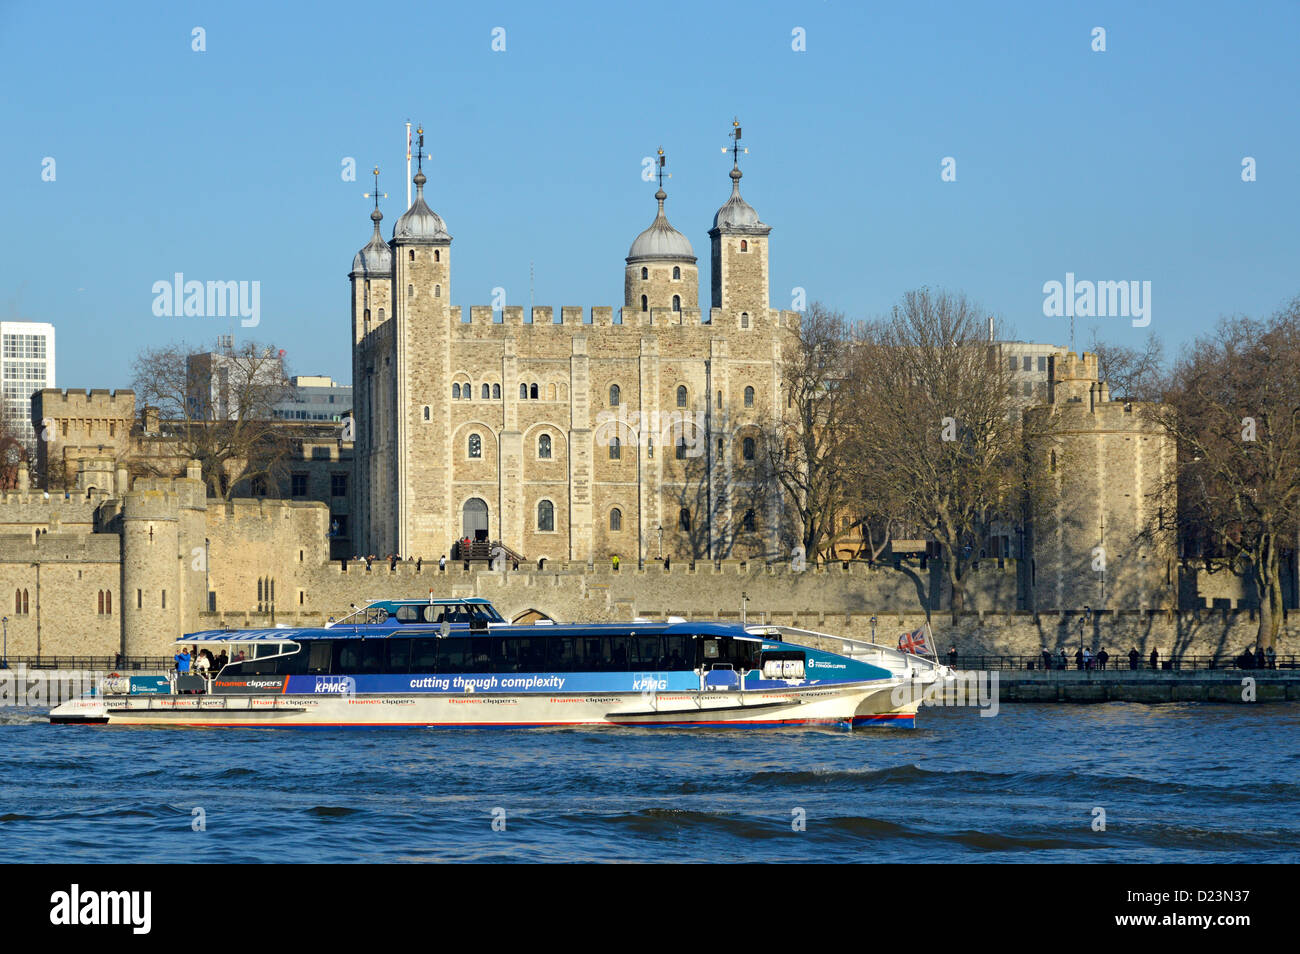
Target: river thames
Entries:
(1038, 783)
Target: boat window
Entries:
(320, 655)
(399, 655)
(424, 654)
(455, 655)
(295, 665)
(647, 652)
(408, 614)
(561, 654)
(679, 653)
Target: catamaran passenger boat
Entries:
(458, 663)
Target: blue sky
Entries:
(226, 164)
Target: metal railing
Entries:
(123, 664)
(1116, 662)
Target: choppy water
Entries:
(1187, 783)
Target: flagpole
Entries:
(408, 165)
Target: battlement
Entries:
(95, 402)
(577, 318)
(1068, 366)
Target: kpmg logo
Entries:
(336, 685)
(649, 682)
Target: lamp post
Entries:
(4, 660)
(660, 531)
(744, 600)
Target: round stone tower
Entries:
(661, 270)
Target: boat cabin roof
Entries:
(462, 631)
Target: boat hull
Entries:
(842, 705)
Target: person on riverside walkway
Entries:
(1047, 658)
(1155, 659)
(1134, 657)
(1272, 658)
(1078, 659)
(1065, 663)
(952, 656)
(1103, 657)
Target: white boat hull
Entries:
(846, 705)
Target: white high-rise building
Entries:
(26, 366)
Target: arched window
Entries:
(744, 245)
(747, 448)
(26, 606)
(487, 392)
(744, 319)
(544, 447)
(614, 395)
(467, 391)
(108, 602)
(475, 446)
(437, 255)
(18, 601)
(645, 272)
(523, 392)
(749, 397)
(677, 272)
(101, 603)
(455, 392)
(410, 256)
(381, 314)
(681, 447)
(748, 523)
(681, 395)
(532, 392)
(645, 303)
(616, 519)
(496, 392)
(427, 412)
(615, 449)
(437, 291)
(410, 291)
(546, 516)
(684, 519)
(677, 303)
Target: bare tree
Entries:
(1234, 409)
(217, 407)
(937, 432)
(1134, 374)
(13, 455)
(806, 444)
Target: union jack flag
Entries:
(915, 643)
